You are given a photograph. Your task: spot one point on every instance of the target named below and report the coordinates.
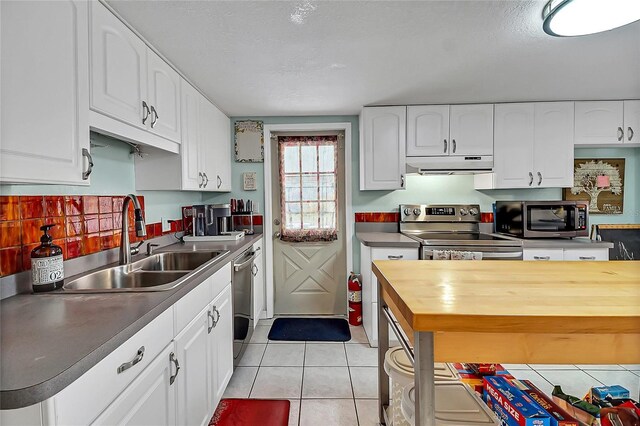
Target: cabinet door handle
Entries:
(454, 145)
(86, 173)
(254, 270)
(200, 180)
(587, 258)
(398, 257)
(445, 146)
(206, 180)
(174, 360)
(219, 181)
(217, 317)
(630, 133)
(539, 178)
(542, 257)
(530, 178)
(145, 112)
(155, 117)
(127, 365)
(620, 134)
(210, 317)
(401, 181)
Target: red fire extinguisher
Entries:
(355, 300)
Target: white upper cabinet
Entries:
(164, 98)
(45, 92)
(383, 147)
(607, 123)
(471, 130)
(135, 95)
(632, 122)
(427, 130)
(219, 155)
(118, 69)
(533, 146)
(553, 150)
(190, 147)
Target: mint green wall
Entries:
(113, 174)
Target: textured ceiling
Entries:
(333, 57)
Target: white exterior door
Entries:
(221, 344)
(632, 122)
(553, 142)
(190, 146)
(164, 98)
(383, 147)
(45, 107)
(118, 68)
(471, 130)
(599, 122)
(513, 144)
(427, 130)
(149, 401)
(193, 354)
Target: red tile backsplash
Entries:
(84, 225)
(377, 217)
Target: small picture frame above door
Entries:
(249, 141)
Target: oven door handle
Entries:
(249, 261)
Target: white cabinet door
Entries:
(542, 254)
(45, 100)
(553, 144)
(513, 145)
(258, 287)
(599, 122)
(587, 254)
(193, 355)
(221, 138)
(149, 400)
(118, 69)
(207, 144)
(164, 98)
(383, 147)
(428, 130)
(221, 341)
(471, 130)
(632, 122)
(190, 147)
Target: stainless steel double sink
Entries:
(157, 272)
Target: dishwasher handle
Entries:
(238, 266)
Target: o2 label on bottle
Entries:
(46, 271)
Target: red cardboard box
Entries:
(474, 380)
(558, 416)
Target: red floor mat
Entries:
(251, 412)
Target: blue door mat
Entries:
(310, 329)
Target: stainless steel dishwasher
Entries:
(242, 284)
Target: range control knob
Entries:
(473, 211)
(417, 212)
(463, 212)
(407, 211)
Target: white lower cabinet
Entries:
(221, 345)
(150, 399)
(542, 254)
(370, 283)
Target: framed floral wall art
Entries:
(600, 182)
(249, 141)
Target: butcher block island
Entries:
(510, 312)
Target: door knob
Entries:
(276, 222)
(277, 235)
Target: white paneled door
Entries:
(553, 156)
(428, 130)
(471, 130)
(164, 98)
(514, 145)
(599, 122)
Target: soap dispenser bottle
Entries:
(47, 269)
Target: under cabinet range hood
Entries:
(450, 165)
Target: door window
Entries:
(308, 187)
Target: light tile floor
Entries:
(335, 384)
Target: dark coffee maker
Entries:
(218, 219)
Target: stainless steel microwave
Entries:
(542, 219)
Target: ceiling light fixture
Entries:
(567, 18)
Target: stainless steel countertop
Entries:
(49, 340)
(386, 239)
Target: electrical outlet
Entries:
(166, 226)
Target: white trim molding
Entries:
(268, 196)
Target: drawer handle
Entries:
(587, 258)
(213, 322)
(217, 318)
(127, 365)
(542, 257)
(174, 360)
(398, 257)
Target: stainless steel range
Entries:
(454, 228)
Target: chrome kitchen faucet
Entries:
(125, 248)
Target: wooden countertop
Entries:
(528, 300)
